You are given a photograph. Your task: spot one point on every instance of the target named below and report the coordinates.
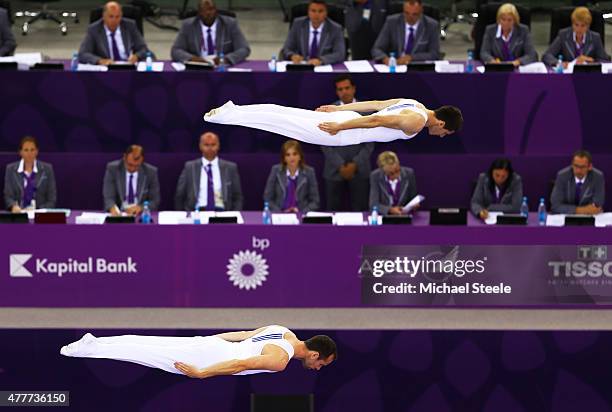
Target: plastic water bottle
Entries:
(524, 207)
(266, 216)
(272, 64)
(74, 63)
(222, 66)
(469, 64)
(559, 66)
(146, 213)
(392, 63)
(149, 62)
(195, 215)
(374, 216)
(542, 212)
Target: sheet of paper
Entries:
(91, 68)
(445, 67)
(170, 217)
(91, 218)
(358, 66)
(319, 214)
(24, 60)
(603, 219)
(281, 66)
(555, 220)
(324, 68)
(415, 201)
(570, 67)
(480, 69)
(606, 68)
(157, 66)
(179, 67)
(492, 218)
(383, 68)
(537, 67)
(285, 219)
(348, 219)
(239, 69)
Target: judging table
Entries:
(256, 265)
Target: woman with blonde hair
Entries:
(508, 40)
(577, 43)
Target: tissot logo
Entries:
(16, 265)
(592, 252)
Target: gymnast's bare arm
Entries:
(408, 123)
(367, 106)
(273, 359)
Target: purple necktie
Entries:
(209, 42)
(410, 42)
(210, 190)
(578, 192)
(116, 56)
(314, 46)
(498, 194)
(131, 196)
(579, 47)
(506, 50)
(30, 189)
(290, 200)
(393, 193)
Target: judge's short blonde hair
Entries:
(508, 8)
(582, 15)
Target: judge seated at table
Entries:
(498, 190)
(129, 182)
(579, 188)
(392, 186)
(292, 185)
(112, 39)
(577, 43)
(315, 39)
(508, 40)
(29, 183)
(209, 34)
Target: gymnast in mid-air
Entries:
(343, 125)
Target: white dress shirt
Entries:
(499, 34)
(134, 186)
(122, 53)
(203, 193)
(213, 31)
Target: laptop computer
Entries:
(396, 220)
(579, 220)
(511, 219)
(119, 219)
(499, 67)
(456, 216)
(50, 217)
(300, 67)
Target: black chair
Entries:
(488, 15)
(428, 10)
(6, 5)
(193, 13)
(129, 12)
(45, 13)
(334, 13)
(561, 18)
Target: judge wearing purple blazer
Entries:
(292, 185)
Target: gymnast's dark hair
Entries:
(451, 116)
(500, 163)
(324, 345)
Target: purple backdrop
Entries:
(377, 371)
(504, 113)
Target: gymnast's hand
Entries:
(327, 108)
(188, 370)
(330, 127)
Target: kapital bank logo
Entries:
(16, 265)
(59, 268)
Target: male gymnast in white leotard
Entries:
(267, 349)
(343, 125)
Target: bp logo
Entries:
(247, 269)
